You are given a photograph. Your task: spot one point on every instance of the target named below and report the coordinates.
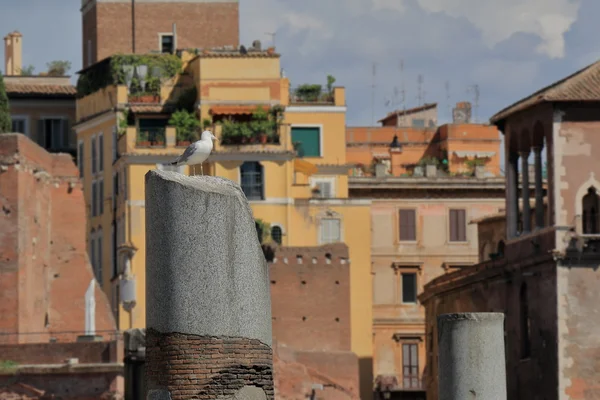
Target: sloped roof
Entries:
(583, 85)
(426, 106)
(22, 89)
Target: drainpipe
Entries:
(133, 26)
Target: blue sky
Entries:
(509, 48)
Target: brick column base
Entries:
(203, 367)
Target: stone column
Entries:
(512, 182)
(539, 189)
(525, 191)
(208, 307)
(471, 360)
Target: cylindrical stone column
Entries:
(512, 194)
(539, 188)
(471, 361)
(525, 195)
(208, 307)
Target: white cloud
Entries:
(498, 20)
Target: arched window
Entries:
(277, 234)
(525, 323)
(591, 206)
(252, 180)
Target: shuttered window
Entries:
(307, 141)
(408, 225)
(458, 225)
(410, 366)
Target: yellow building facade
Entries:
(296, 179)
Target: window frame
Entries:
(331, 180)
(399, 225)
(262, 184)
(26, 123)
(273, 226)
(321, 144)
(100, 150)
(81, 157)
(321, 227)
(401, 268)
(412, 344)
(94, 154)
(449, 216)
(94, 196)
(100, 192)
(65, 124)
(160, 42)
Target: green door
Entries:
(309, 139)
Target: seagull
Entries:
(197, 152)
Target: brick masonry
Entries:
(199, 367)
(108, 26)
(44, 267)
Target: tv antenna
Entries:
(272, 34)
(448, 104)
(420, 91)
(373, 94)
(475, 90)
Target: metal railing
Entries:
(309, 95)
(151, 137)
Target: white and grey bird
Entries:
(197, 152)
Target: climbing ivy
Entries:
(110, 72)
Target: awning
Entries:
(478, 154)
(304, 167)
(236, 110)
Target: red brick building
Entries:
(44, 274)
(145, 26)
(544, 273)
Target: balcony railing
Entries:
(151, 137)
(311, 94)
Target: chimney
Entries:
(13, 54)
(462, 113)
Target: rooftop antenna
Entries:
(420, 92)
(449, 105)
(272, 34)
(475, 90)
(402, 93)
(373, 94)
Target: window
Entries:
(101, 197)
(113, 249)
(100, 152)
(458, 225)
(277, 234)
(94, 156)
(418, 123)
(80, 157)
(167, 43)
(590, 217)
(410, 366)
(408, 226)
(54, 133)
(326, 187)
(251, 174)
(330, 230)
(525, 323)
(98, 268)
(92, 255)
(94, 198)
(409, 287)
(19, 125)
(89, 52)
(308, 139)
(115, 144)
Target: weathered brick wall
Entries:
(44, 268)
(496, 287)
(198, 367)
(311, 300)
(57, 353)
(199, 25)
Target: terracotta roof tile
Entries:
(583, 85)
(21, 89)
(408, 111)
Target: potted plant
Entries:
(430, 164)
(143, 139)
(185, 124)
(308, 93)
(477, 166)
